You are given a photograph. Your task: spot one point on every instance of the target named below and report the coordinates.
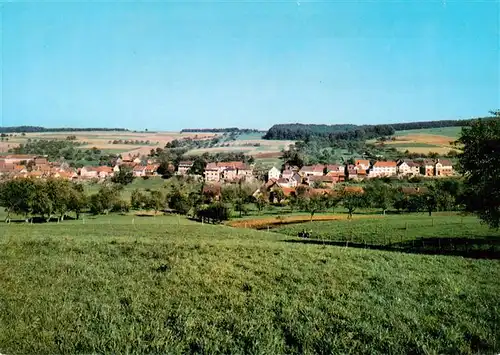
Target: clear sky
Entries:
(169, 65)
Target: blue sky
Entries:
(169, 65)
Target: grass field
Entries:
(451, 132)
(443, 232)
(170, 285)
(413, 145)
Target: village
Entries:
(324, 175)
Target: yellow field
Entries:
(422, 143)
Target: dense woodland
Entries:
(297, 131)
(38, 129)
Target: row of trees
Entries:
(129, 141)
(442, 195)
(42, 198)
(298, 131)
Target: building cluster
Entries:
(36, 166)
(328, 175)
(221, 171)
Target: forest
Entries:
(298, 131)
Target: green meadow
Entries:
(165, 284)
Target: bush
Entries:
(120, 206)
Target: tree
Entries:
(16, 196)
(313, 203)
(198, 167)
(379, 195)
(165, 169)
(124, 176)
(78, 200)
(156, 200)
(59, 192)
(42, 203)
(260, 202)
(352, 201)
(179, 202)
(104, 200)
(430, 201)
(479, 162)
(137, 199)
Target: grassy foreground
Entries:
(187, 288)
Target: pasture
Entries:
(450, 132)
(170, 285)
(444, 232)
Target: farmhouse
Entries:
(184, 167)
(384, 168)
(427, 167)
(334, 168)
(443, 168)
(327, 180)
(337, 176)
(273, 173)
(312, 170)
(18, 158)
(407, 168)
(229, 171)
(362, 164)
(139, 170)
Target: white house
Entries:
(384, 168)
(273, 173)
(408, 167)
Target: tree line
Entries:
(298, 131)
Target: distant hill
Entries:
(297, 131)
(37, 129)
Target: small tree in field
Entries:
(260, 202)
(352, 201)
(156, 201)
(313, 204)
(379, 195)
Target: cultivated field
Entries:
(248, 143)
(170, 285)
(102, 140)
(436, 140)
